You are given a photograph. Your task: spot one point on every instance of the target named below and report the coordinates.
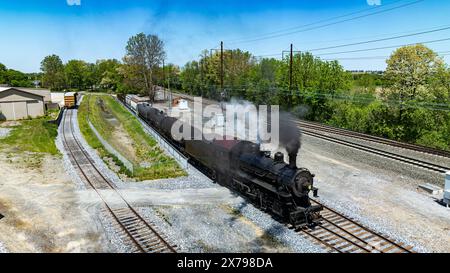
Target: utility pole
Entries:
(291, 62)
(290, 66)
(221, 66)
(164, 80)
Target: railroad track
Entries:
(408, 160)
(142, 236)
(375, 139)
(340, 234)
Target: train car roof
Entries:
(227, 144)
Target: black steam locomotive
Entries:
(271, 184)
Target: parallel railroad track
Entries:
(340, 234)
(408, 160)
(143, 236)
(366, 137)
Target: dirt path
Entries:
(41, 208)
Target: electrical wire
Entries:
(266, 37)
(380, 40)
(384, 47)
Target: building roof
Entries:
(70, 94)
(40, 92)
(2, 89)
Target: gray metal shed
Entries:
(16, 104)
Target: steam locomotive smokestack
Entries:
(293, 160)
(290, 137)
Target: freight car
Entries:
(70, 99)
(271, 184)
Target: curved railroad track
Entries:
(340, 234)
(142, 235)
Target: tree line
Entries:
(138, 71)
(11, 77)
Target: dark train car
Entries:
(214, 155)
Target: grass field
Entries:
(34, 135)
(124, 132)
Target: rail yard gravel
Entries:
(381, 194)
(443, 161)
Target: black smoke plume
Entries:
(290, 137)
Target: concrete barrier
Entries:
(447, 189)
(58, 120)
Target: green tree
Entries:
(53, 73)
(410, 71)
(107, 75)
(144, 54)
(76, 72)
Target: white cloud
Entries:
(74, 2)
(374, 2)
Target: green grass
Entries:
(143, 149)
(34, 135)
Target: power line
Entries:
(384, 47)
(441, 53)
(367, 58)
(311, 24)
(373, 36)
(381, 40)
(266, 37)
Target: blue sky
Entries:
(32, 29)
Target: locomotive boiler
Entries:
(271, 184)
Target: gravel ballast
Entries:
(379, 194)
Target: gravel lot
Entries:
(4, 132)
(381, 194)
(42, 209)
(391, 166)
(2, 248)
